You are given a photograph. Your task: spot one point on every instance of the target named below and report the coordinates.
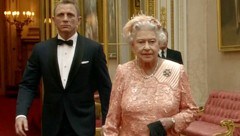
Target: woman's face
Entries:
(145, 46)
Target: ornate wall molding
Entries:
(150, 8)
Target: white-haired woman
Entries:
(150, 95)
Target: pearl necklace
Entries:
(149, 76)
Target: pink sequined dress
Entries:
(137, 101)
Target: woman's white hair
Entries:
(141, 22)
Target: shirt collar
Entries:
(165, 50)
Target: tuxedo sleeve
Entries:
(28, 86)
(103, 81)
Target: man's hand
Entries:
(21, 126)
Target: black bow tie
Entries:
(69, 42)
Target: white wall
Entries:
(197, 48)
(223, 67)
(208, 68)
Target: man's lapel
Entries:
(77, 59)
(53, 61)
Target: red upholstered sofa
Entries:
(220, 117)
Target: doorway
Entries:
(102, 21)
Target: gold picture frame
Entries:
(228, 13)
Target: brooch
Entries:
(167, 72)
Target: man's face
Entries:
(164, 41)
(66, 20)
(163, 45)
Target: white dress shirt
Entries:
(165, 53)
(65, 54)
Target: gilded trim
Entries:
(42, 32)
(47, 28)
(150, 7)
(118, 19)
(105, 27)
(229, 124)
(163, 16)
(53, 27)
(172, 23)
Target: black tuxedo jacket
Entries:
(88, 73)
(174, 55)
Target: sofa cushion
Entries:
(221, 105)
(202, 128)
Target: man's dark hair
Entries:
(74, 2)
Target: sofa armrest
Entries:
(200, 112)
(230, 125)
(201, 109)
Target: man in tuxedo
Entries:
(72, 68)
(167, 53)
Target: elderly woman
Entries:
(150, 95)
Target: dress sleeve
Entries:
(113, 120)
(188, 108)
